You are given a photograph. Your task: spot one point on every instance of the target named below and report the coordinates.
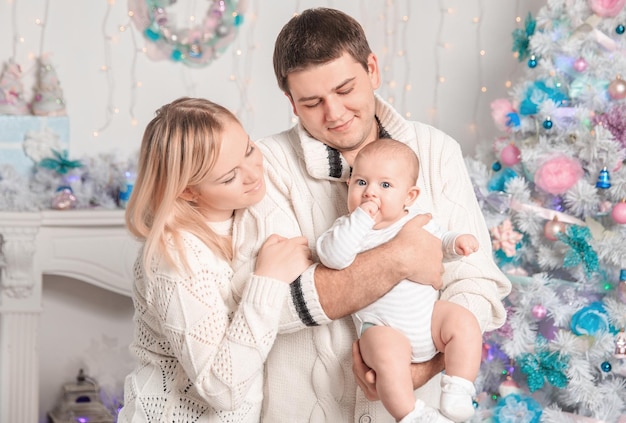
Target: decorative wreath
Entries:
(196, 46)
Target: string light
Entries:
(107, 69)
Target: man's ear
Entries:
(411, 196)
(188, 195)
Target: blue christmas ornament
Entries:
(619, 29)
(591, 320)
(622, 275)
(606, 367)
(604, 179)
(498, 182)
(496, 166)
(547, 124)
(516, 408)
(532, 62)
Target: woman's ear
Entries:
(188, 195)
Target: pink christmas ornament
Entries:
(64, 199)
(580, 65)
(558, 174)
(510, 155)
(619, 213)
(552, 228)
(505, 238)
(606, 8)
(539, 311)
(617, 89)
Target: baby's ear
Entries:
(411, 196)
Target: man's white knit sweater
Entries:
(308, 373)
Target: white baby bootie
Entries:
(456, 398)
(424, 414)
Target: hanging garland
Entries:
(196, 46)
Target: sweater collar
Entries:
(324, 162)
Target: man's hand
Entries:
(420, 252)
(366, 377)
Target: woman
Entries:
(200, 353)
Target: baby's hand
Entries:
(465, 244)
(370, 207)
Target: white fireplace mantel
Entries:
(89, 245)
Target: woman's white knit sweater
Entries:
(308, 373)
(200, 353)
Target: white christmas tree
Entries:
(47, 95)
(552, 188)
(12, 91)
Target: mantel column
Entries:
(20, 309)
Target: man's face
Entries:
(335, 103)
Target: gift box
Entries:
(26, 140)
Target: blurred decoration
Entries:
(560, 357)
(12, 91)
(195, 46)
(47, 95)
(81, 403)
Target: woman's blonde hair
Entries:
(179, 148)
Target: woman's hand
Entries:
(283, 258)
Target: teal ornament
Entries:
(521, 38)
(238, 20)
(547, 124)
(604, 179)
(496, 166)
(622, 275)
(606, 367)
(580, 252)
(513, 120)
(544, 365)
(60, 162)
(532, 62)
(499, 181)
(538, 93)
(150, 34)
(619, 29)
(177, 55)
(591, 320)
(516, 408)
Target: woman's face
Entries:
(236, 181)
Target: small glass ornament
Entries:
(532, 62)
(604, 179)
(552, 228)
(580, 65)
(64, 198)
(606, 367)
(619, 29)
(539, 311)
(547, 124)
(617, 89)
(510, 155)
(496, 166)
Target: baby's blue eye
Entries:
(361, 182)
(385, 184)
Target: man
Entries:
(325, 67)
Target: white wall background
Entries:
(432, 67)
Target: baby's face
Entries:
(382, 182)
